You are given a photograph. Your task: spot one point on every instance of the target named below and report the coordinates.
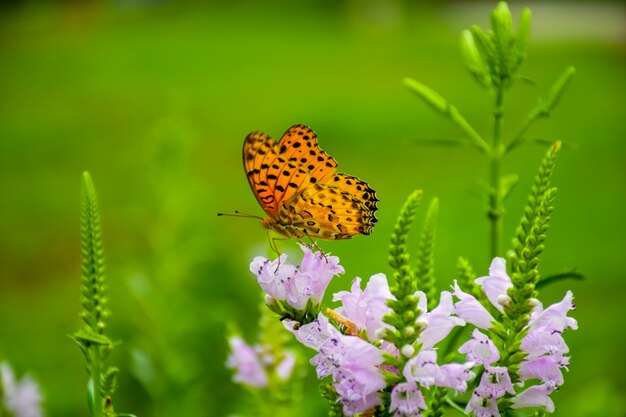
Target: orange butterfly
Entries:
(297, 185)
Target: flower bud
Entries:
(504, 300)
(533, 302)
(421, 324)
(408, 351)
(408, 331)
(408, 315)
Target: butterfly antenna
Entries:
(239, 214)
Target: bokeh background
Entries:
(154, 98)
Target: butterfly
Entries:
(298, 186)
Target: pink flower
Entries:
(483, 403)
(545, 368)
(440, 321)
(480, 349)
(246, 363)
(296, 285)
(285, 367)
(456, 375)
(539, 342)
(366, 308)
(407, 400)
(535, 396)
(470, 310)
(496, 284)
(423, 369)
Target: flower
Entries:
(21, 398)
(353, 363)
(470, 310)
(407, 400)
(296, 285)
(246, 362)
(439, 321)
(534, 396)
(285, 367)
(483, 403)
(456, 375)
(496, 379)
(554, 318)
(423, 369)
(366, 308)
(545, 368)
(480, 349)
(496, 284)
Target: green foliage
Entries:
(399, 258)
(335, 409)
(425, 266)
(437, 403)
(466, 277)
(94, 345)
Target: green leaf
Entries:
(507, 184)
(87, 338)
(441, 105)
(502, 27)
(522, 39)
(109, 382)
(474, 60)
(487, 50)
(551, 279)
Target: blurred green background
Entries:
(154, 98)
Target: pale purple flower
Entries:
(440, 321)
(247, 365)
(367, 307)
(296, 285)
(480, 349)
(554, 318)
(539, 342)
(351, 408)
(353, 363)
(407, 400)
(423, 369)
(285, 367)
(535, 396)
(483, 403)
(497, 380)
(496, 284)
(21, 398)
(470, 310)
(456, 375)
(545, 368)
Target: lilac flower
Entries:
(439, 321)
(366, 308)
(483, 403)
(496, 379)
(554, 318)
(496, 284)
(246, 363)
(407, 400)
(535, 396)
(353, 363)
(423, 369)
(21, 399)
(285, 367)
(538, 343)
(296, 285)
(470, 310)
(456, 375)
(480, 349)
(545, 368)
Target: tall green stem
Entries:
(495, 198)
(96, 377)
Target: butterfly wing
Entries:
(278, 171)
(326, 211)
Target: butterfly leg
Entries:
(316, 246)
(274, 247)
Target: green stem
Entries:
(495, 209)
(96, 375)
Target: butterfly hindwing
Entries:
(328, 212)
